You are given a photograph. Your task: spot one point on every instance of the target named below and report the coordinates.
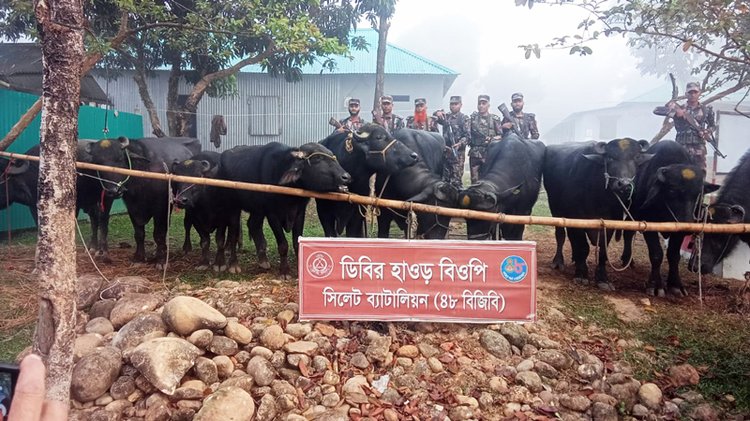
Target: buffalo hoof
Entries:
(106, 259)
(264, 265)
(220, 268)
(202, 267)
(605, 286)
(558, 265)
(650, 292)
(161, 266)
(581, 281)
(234, 269)
(678, 291)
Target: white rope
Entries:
(170, 200)
(85, 247)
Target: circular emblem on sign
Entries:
(514, 268)
(319, 264)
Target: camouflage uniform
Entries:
(526, 125)
(352, 125)
(391, 122)
(689, 137)
(430, 126)
(483, 129)
(456, 130)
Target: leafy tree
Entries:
(204, 42)
(713, 34)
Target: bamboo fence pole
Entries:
(420, 207)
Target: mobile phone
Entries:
(8, 379)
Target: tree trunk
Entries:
(62, 47)
(383, 25)
(140, 79)
(173, 96)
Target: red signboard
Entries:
(423, 280)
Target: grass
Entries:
(714, 342)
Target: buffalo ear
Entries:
(124, 142)
(174, 165)
(710, 187)
(294, 172)
(297, 154)
(645, 144)
(205, 166)
(725, 214)
(446, 192)
(594, 157)
(661, 174)
(87, 147)
(642, 158)
(600, 148)
(510, 192)
(17, 166)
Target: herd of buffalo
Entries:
(588, 180)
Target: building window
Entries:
(265, 118)
(401, 98)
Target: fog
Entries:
(479, 39)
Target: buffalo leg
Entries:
(224, 226)
(187, 245)
(655, 256)
(580, 246)
(103, 251)
(674, 283)
(281, 244)
(255, 227)
(160, 238)
(205, 236)
(298, 228)
(139, 233)
(327, 215)
(602, 280)
(234, 232)
(627, 247)
(384, 223)
(514, 232)
(558, 262)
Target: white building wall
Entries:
(304, 107)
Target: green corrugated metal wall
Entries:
(90, 124)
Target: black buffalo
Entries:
(361, 154)
(668, 188)
(421, 183)
(22, 177)
(590, 180)
(312, 166)
(509, 182)
(732, 206)
(201, 203)
(144, 198)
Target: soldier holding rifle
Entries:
(456, 131)
(485, 128)
(694, 123)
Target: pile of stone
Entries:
(146, 356)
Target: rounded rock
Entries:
(184, 315)
(261, 370)
(650, 396)
(164, 361)
(94, 374)
(227, 403)
(495, 343)
(100, 325)
(130, 306)
(238, 332)
(273, 337)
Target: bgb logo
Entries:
(319, 264)
(514, 268)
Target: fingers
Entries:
(28, 397)
(55, 411)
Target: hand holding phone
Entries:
(8, 379)
(29, 403)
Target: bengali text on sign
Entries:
(426, 280)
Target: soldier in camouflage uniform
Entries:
(354, 121)
(693, 138)
(387, 119)
(456, 131)
(525, 122)
(485, 128)
(420, 120)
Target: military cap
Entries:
(483, 97)
(455, 99)
(692, 86)
(420, 101)
(386, 99)
(353, 101)
(516, 96)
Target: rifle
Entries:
(506, 114)
(335, 123)
(670, 112)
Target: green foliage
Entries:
(715, 34)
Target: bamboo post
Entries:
(420, 207)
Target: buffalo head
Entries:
(314, 167)
(187, 194)
(484, 196)
(113, 153)
(620, 159)
(17, 181)
(678, 188)
(382, 152)
(715, 246)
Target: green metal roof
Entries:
(397, 61)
